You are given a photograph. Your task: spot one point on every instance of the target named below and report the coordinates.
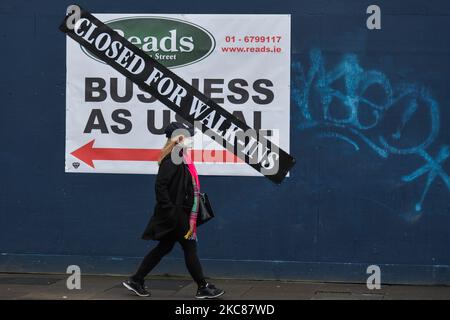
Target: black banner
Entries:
(178, 95)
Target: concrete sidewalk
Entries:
(53, 286)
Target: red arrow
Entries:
(88, 153)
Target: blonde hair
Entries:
(167, 149)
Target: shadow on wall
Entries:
(356, 101)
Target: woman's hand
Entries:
(191, 229)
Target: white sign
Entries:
(241, 61)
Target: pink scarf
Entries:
(195, 207)
(191, 168)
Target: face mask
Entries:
(187, 142)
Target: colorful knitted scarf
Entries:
(195, 206)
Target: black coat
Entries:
(174, 201)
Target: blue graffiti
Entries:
(433, 167)
(317, 95)
(339, 136)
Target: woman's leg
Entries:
(192, 262)
(152, 259)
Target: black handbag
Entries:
(205, 212)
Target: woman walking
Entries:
(174, 219)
